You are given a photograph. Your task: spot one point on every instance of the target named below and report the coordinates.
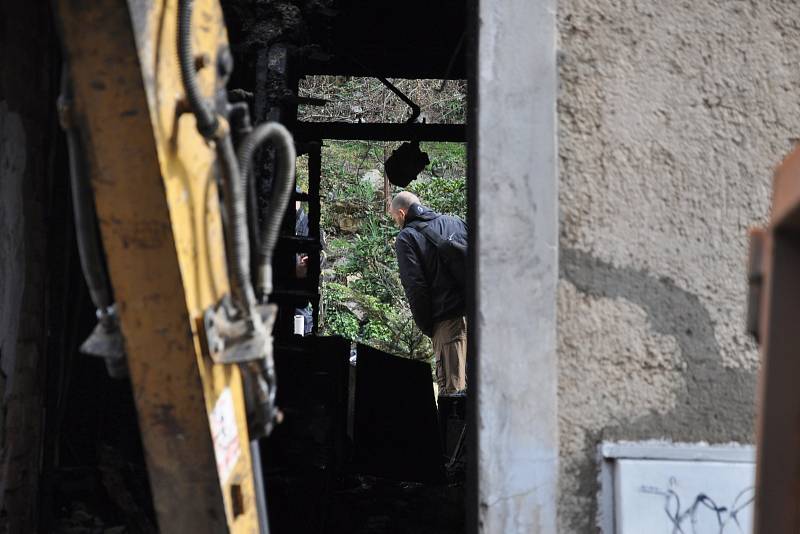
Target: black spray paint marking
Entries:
(682, 519)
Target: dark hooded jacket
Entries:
(431, 291)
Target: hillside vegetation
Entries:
(362, 298)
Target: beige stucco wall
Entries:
(672, 115)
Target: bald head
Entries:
(400, 204)
(404, 200)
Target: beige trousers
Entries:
(450, 348)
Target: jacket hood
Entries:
(418, 212)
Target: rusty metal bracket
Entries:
(248, 344)
(233, 340)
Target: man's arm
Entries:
(416, 287)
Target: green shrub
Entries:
(442, 195)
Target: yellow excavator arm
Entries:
(151, 138)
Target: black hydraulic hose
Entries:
(208, 124)
(207, 121)
(236, 208)
(239, 114)
(281, 191)
(252, 212)
(83, 209)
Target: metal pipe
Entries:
(105, 341)
(258, 482)
(281, 192)
(89, 249)
(415, 109)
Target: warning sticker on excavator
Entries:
(225, 435)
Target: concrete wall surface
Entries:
(672, 116)
(516, 268)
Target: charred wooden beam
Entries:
(381, 131)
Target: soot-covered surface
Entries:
(374, 465)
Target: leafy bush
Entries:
(442, 195)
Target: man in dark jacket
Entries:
(436, 299)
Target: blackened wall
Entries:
(28, 127)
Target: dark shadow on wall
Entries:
(717, 404)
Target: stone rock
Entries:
(356, 309)
(347, 216)
(374, 177)
(348, 224)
